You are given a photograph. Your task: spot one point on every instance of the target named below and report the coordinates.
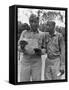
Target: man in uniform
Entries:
(55, 47)
(31, 62)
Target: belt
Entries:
(53, 56)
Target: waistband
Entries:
(32, 56)
(53, 56)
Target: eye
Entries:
(31, 21)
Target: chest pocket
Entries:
(32, 39)
(53, 43)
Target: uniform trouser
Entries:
(52, 67)
(30, 68)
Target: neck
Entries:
(51, 33)
(36, 30)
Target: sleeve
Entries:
(62, 50)
(21, 37)
(45, 40)
(41, 41)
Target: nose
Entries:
(33, 23)
(47, 26)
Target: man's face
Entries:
(34, 23)
(50, 27)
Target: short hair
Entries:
(51, 23)
(33, 17)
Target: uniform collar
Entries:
(53, 34)
(36, 31)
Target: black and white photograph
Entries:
(41, 44)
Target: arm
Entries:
(43, 43)
(23, 42)
(21, 38)
(62, 50)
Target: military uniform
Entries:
(31, 63)
(55, 55)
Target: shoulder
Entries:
(23, 32)
(58, 34)
(43, 33)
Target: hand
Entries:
(29, 51)
(23, 44)
(62, 67)
(43, 51)
(37, 51)
(20, 50)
